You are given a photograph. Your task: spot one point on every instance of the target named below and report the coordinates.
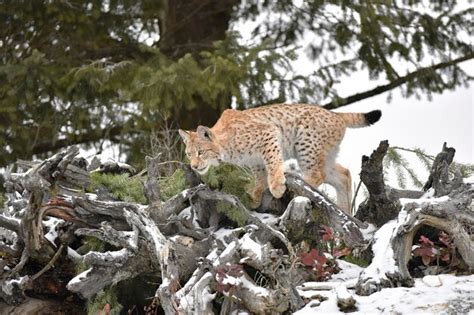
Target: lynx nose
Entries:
(194, 165)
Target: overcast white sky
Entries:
(410, 123)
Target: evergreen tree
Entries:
(85, 71)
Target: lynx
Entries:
(263, 138)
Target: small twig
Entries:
(48, 266)
(24, 259)
(353, 210)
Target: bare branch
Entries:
(396, 83)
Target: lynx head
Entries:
(201, 148)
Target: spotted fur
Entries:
(263, 138)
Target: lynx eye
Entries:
(200, 152)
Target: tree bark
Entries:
(192, 26)
(393, 241)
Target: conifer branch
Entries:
(396, 83)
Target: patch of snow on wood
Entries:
(257, 290)
(455, 295)
(423, 200)
(51, 224)
(250, 248)
(78, 278)
(7, 286)
(383, 261)
(368, 232)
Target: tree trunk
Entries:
(191, 26)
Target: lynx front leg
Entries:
(274, 164)
(256, 192)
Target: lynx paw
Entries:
(278, 188)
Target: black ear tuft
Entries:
(372, 117)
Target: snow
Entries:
(383, 261)
(425, 199)
(342, 292)
(368, 232)
(233, 281)
(7, 286)
(250, 248)
(223, 234)
(90, 196)
(227, 251)
(257, 290)
(454, 295)
(469, 180)
(187, 301)
(51, 224)
(348, 271)
(300, 199)
(432, 281)
(79, 277)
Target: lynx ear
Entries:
(185, 135)
(205, 133)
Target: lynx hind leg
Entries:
(340, 178)
(312, 166)
(256, 191)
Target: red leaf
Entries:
(105, 310)
(425, 240)
(228, 270)
(309, 258)
(321, 259)
(328, 234)
(445, 257)
(424, 251)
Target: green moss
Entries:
(233, 180)
(97, 304)
(228, 178)
(122, 187)
(355, 260)
(172, 185)
(2, 200)
(89, 243)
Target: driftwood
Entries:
(182, 244)
(145, 240)
(449, 212)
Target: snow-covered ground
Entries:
(453, 295)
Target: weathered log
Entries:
(379, 208)
(170, 238)
(439, 178)
(152, 189)
(393, 241)
(349, 227)
(53, 189)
